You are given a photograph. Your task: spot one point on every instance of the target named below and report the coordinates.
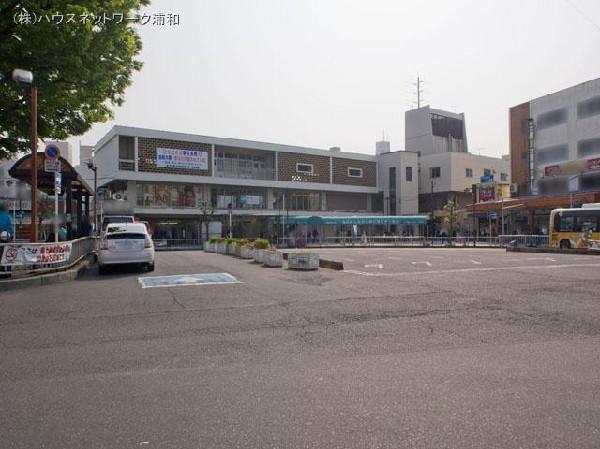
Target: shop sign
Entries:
(188, 159)
(23, 255)
(593, 164)
(552, 170)
(250, 200)
(487, 192)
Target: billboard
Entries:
(572, 167)
(487, 192)
(189, 159)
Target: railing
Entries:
(167, 244)
(539, 241)
(37, 258)
(126, 164)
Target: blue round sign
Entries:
(52, 152)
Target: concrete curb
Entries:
(554, 251)
(51, 278)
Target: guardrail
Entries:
(36, 258)
(538, 241)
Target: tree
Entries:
(207, 210)
(451, 216)
(81, 67)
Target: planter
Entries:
(303, 261)
(209, 247)
(258, 255)
(246, 252)
(231, 249)
(237, 250)
(222, 248)
(273, 259)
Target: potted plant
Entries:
(222, 246)
(259, 245)
(246, 250)
(210, 246)
(230, 246)
(237, 247)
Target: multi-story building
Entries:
(167, 178)
(555, 141)
(433, 131)
(447, 171)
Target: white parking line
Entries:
(463, 270)
(377, 265)
(475, 262)
(426, 263)
(542, 258)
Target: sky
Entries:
(323, 73)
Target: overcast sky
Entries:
(324, 73)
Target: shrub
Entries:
(215, 240)
(261, 244)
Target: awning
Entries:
(352, 219)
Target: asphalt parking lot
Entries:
(475, 348)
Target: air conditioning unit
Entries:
(514, 188)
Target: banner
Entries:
(23, 255)
(190, 159)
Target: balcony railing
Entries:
(232, 168)
(127, 164)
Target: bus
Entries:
(575, 228)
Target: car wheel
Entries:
(102, 269)
(150, 267)
(565, 244)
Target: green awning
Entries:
(351, 219)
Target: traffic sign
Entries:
(57, 182)
(52, 152)
(52, 165)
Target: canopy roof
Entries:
(352, 219)
(22, 170)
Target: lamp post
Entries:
(92, 166)
(25, 79)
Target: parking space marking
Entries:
(463, 270)
(179, 280)
(542, 258)
(426, 263)
(376, 265)
(475, 262)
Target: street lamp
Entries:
(91, 164)
(25, 79)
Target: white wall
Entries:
(453, 171)
(571, 132)
(407, 192)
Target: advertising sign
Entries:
(487, 192)
(23, 255)
(190, 159)
(57, 182)
(250, 200)
(593, 164)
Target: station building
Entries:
(169, 179)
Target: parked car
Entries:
(108, 219)
(126, 243)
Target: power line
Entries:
(583, 14)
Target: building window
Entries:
(504, 177)
(408, 174)
(435, 172)
(552, 118)
(553, 154)
(588, 108)
(355, 172)
(306, 169)
(126, 153)
(297, 200)
(588, 147)
(392, 188)
(469, 172)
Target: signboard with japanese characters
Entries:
(24, 254)
(188, 159)
(51, 165)
(487, 192)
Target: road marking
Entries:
(462, 270)
(475, 262)
(179, 280)
(426, 263)
(375, 265)
(542, 258)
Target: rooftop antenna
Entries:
(419, 90)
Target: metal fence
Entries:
(79, 248)
(538, 241)
(167, 244)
